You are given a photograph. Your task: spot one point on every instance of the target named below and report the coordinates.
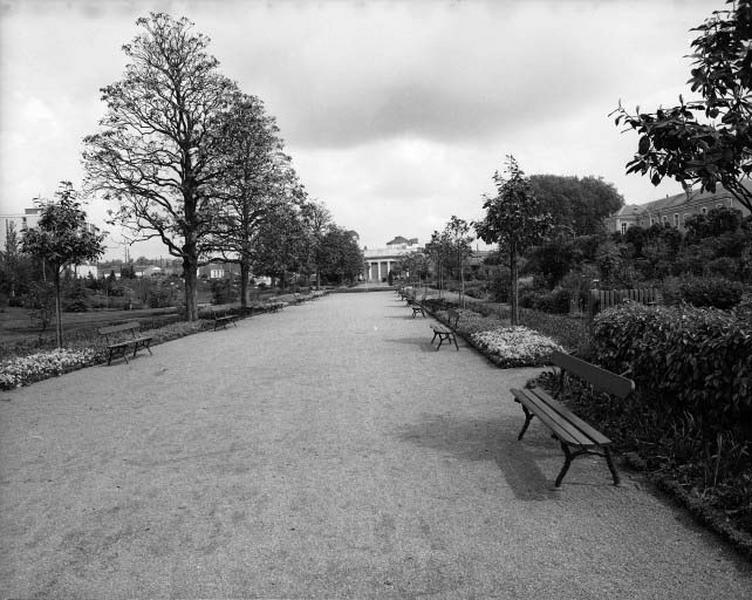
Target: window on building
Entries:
(704, 210)
(664, 219)
(676, 220)
(623, 228)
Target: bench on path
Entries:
(576, 437)
(447, 332)
(416, 306)
(121, 338)
(222, 318)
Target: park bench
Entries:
(222, 318)
(447, 332)
(121, 338)
(575, 436)
(416, 306)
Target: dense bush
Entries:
(684, 360)
(690, 417)
(716, 292)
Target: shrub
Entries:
(684, 360)
(715, 292)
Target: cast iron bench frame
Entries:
(119, 346)
(575, 436)
(416, 306)
(447, 332)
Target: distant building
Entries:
(379, 261)
(217, 270)
(672, 210)
(18, 222)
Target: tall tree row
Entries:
(190, 159)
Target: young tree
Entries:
(458, 238)
(515, 220)
(62, 239)
(158, 152)
(706, 141)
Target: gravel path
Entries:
(325, 451)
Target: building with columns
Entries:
(379, 261)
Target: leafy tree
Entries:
(342, 258)
(158, 151)
(317, 220)
(515, 220)
(577, 206)
(439, 249)
(458, 240)
(280, 244)
(62, 240)
(707, 141)
(252, 180)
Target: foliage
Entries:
(510, 347)
(515, 220)
(62, 239)
(684, 360)
(255, 175)
(577, 206)
(706, 141)
(341, 257)
(715, 292)
(158, 151)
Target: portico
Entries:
(379, 261)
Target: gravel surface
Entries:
(326, 451)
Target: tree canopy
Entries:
(62, 239)
(515, 219)
(705, 141)
(576, 205)
(158, 152)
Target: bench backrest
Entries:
(600, 379)
(123, 327)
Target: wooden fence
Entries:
(603, 299)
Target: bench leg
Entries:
(568, 456)
(611, 467)
(528, 418)
(441, 341)
(434, 337)
(454, 339)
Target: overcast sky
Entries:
(396, 114)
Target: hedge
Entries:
(683, 359)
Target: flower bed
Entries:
(511, 347)
(42, 365)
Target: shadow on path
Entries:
(487, 439)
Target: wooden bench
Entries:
(222, 318)
(447, 332)
(121, 338)
(575, 435)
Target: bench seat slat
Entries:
(564, 431)
(567, 414)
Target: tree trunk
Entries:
(190, 279)
(58, 311)
(514, 287)
(245, 270)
